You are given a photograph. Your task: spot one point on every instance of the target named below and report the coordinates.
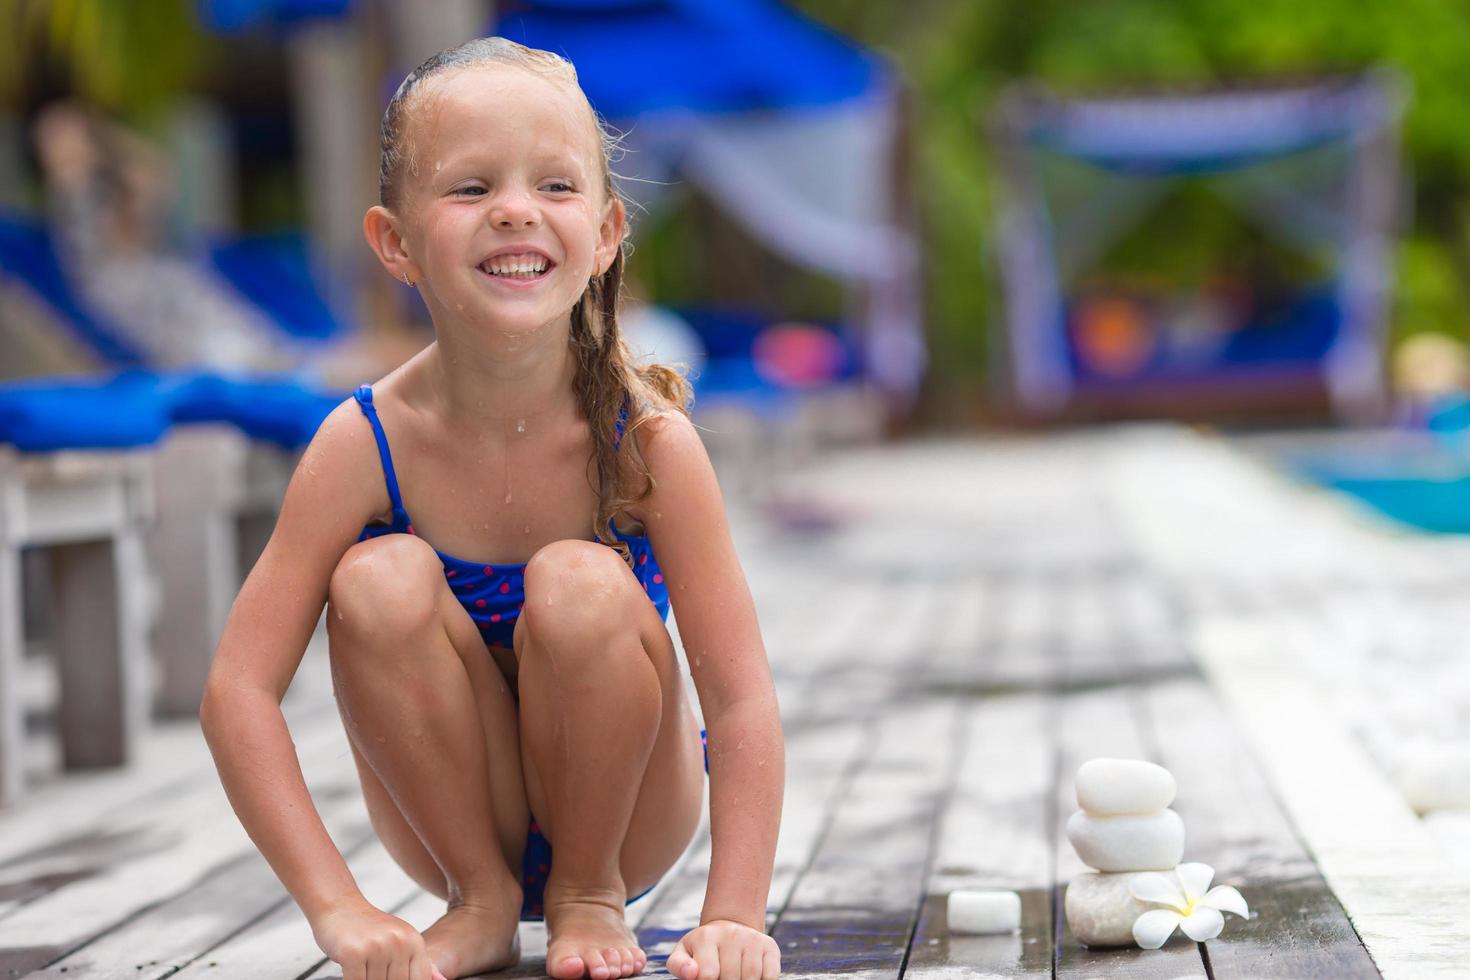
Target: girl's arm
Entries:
(685, 518)
(336, 488)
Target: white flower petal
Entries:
(1153, 928)
(1195, 878)
(1226, 899)
(1150, 886)
(1205, 924)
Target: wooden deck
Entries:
(954, 628)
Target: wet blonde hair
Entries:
(614, 391)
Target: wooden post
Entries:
(85, 620)
(195, 549)
(12, 728)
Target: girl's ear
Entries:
(380, 228)
(610, 235)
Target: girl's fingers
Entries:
(771, 964)
(730, 960)
(419, 967)
(750, 962)
(707, 955)
(679, 962)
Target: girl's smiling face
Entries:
(503, 214)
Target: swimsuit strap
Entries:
(618, 426)
(364, 396)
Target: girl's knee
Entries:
(385, 586)
(578, 594)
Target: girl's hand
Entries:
(725, 950)
(368, 944)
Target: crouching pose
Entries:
(497, 529)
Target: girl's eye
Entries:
(472, 189)
(556, 186)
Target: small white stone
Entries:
(1151, 842)
(1100, 910)
(983, 913)
(1436, 777)
(1452, 829)
(1115, 787)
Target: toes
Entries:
(597, 966)
(570, 968)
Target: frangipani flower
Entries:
(1189, 906)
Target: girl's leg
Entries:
(433, 726)
(614, 769)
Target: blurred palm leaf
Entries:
(128, 56)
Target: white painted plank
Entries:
(1405, 901)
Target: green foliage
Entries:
(127, 56)
(957, 54)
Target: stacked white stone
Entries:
(1125, 826)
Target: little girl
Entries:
(497, 528)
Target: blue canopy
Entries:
(1207, 132)
(638, 56)
(236, 16)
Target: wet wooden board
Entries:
(163, 852)
(942, 670)
(173, 934)
(280, 945)
(994, 835)
(853, 911)
(1297, 928)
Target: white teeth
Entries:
(519, 265)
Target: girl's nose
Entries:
(515, 209)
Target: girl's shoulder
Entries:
(670, 447)
(341, 463)
(666, 432)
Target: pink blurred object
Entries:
(797, 355)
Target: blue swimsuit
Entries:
(493, 596)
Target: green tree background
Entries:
(132, 57)
(958, 54)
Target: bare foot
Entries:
(472, 939)
(588, 937)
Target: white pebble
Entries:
(1436, 777)
(1116, 787)
(983, 913)
(1100, 909)
(1151, 842)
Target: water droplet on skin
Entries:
(740, 745)
(438, 166)
(526, 529)
(520, 425)
(548, 600)
(507, 499)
